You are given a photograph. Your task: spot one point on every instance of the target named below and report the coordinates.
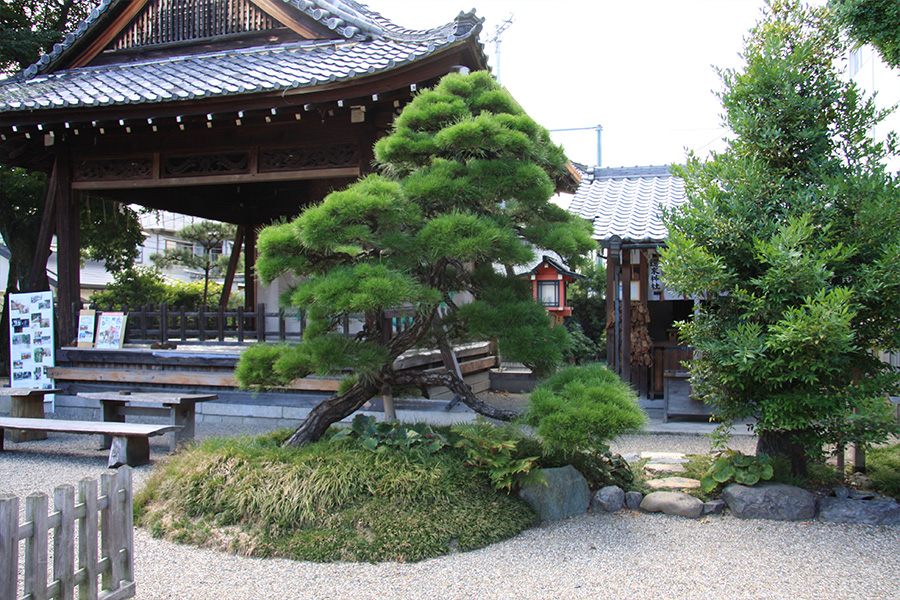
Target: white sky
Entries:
(643, 69)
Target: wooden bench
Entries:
(131, 441)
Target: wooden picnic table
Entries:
(179, 409)
(27, 403)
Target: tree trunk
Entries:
(331, 411)
(784, 443)
(458, 387)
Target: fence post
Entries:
(260, 322)
(9, 545)
(240, 323)
(221, 320)
(64, 541)
(201, 323)
(163, 323)
(36, 547)
(87, 539)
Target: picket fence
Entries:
(105, 570)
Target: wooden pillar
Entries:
(232, 266)
(68, 249)
(249, 267)
(39, 281)
(611, 266)
(625, 358)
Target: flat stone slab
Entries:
(665, 457)
(673, 483)
(673, 503)
(663, 468)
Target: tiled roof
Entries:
(626, 202)
(367, 43)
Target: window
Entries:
(548, 293)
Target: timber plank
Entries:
(184, 378)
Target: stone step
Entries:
(673, 483)
(665, 457)
(663, 468)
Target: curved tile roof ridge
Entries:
(350, 19)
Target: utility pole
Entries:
(598, 129)
(495, 39)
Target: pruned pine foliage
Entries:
(464, 183)
(791, 238)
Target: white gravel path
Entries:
(624, 555)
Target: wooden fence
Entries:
(163, 324)
(73, 524)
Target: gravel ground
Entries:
(624, 555)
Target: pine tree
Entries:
(464, 186)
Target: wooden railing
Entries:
(112, 559)
(162, 324)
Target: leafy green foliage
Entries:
(583, 408)
(600, 467)
(587, 297)
(110, 233)
(875, 22)
(579, 349)
(791, 236)
(31, 27)
(464, 183)
(140, 286)
(491, 450)
(732, 466)
(210, 236)
(379, 436)
(326, 502)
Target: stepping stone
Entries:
(671, 458)
(673, 483)
(663, 468)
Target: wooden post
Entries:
(48, 228)
(36, 547)
(260, 322)
(87, 539)
(68, 250)
(64, 541)
(249, 267)
(232, 266)
(9, 545)
(387, 396)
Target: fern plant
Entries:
(492, 450)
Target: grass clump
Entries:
(328, 501)
(883, 468)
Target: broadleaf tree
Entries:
(461, 197)
(27, 29)
(791, 238)
(875, 22)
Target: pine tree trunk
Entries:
(458, 387)
(331, 411)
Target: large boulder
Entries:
(852, 510)
(566, 494)
(673, 503)
(775, 501)
(608, 499)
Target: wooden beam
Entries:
(287, 18)
(232, 266)
(216, 179)
(250, 294)
(183, 378)
(108, 35)
(68, 249)
(45, 236)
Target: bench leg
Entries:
(133, 451)
(111, 413)
(29, 407)
(1, 440)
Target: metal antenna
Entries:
(495, 39)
